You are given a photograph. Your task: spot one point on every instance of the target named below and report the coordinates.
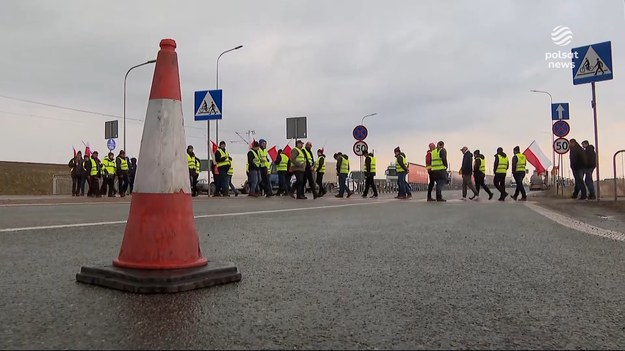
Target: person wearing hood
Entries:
(342, 169)
(466, 170)
(439, 169)
(479, 173)
(519, 162)
(428, 166)
(500, 168)
(590, 163)
(370, 170)
(77, 172)
(401, 166)
(578, 166)
(132, 172)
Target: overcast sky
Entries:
(457, 71)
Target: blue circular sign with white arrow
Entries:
(561, 129)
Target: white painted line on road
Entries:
(64, 204)
(75, 225)
(576, 224)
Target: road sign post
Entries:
(360, 133)
(360, 147)
(208, 106)
(593, 63)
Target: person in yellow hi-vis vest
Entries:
(518, 172)
(108, 174)
(500, 168)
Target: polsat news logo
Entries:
(561, 36)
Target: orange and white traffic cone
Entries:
(160, 251)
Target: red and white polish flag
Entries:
(537, 158)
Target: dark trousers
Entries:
(266, 184)
(518, 178)
(500, 183)
(75, 185)
(192, 182)
(300, 183)
(308, 175)
(94, 189)
(224, 184)
(132, 183)
(578, 174)
(479, 183)
(82, 181)
(430, 184)
(370, 183)
(122, 182)
(319, 181)
(343, 184)
(108, 182)
(441, 180)
(282, 183)
(401, 184)
(588, 181)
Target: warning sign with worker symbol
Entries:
(207, 105)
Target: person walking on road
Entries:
(265, 166)
(479, 173)
(439, 169)
(500, 168)
(230, 174)
(122, 169)
(223, 164)
(298, 165)
(282, 167)
(320, 168)
(132, 172)
(92, 168)
(370, 171)
(428, 167)
(76, 171)
(192, 170)
(342, 169)
(308, 173)
(466, 170)
(253, 169)
(401, 168)
(590, 163)
(108, 175)
(578, 166)
(519, 162)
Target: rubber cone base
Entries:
(145, 281)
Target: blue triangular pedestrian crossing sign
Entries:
(207, 105)
(592, 63)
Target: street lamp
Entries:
(217, 87)
(553, 153)
(125, 77)
(362, 122)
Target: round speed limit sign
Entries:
(360, 147)
(561, 145)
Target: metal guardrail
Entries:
(614, 165)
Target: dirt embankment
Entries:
(21, 178)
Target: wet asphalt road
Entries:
(375, 274)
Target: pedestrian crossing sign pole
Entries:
(593, 63)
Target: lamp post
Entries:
(553, 153)
(217, 87)
(362, 122)
(125, 77)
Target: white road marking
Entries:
(576, 224)
(66, 204)
(75, 225)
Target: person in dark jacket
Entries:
(132, 172)
(253, 169)
(467, 171)
(401, 167)
(478, 173)
(500, 168)
(590, 163)
(283, 163)
(92, 170)
(370, 171)
(320, 168)
(77, 172)
(440, 175)
(428, 166)
(578, 165)
(519, 162)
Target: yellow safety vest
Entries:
(94, 167)
(372, 164)
(231, 169)
(437, 161)
(308, 156)
(284, 162)
(263, 158)
(321, 169)
(256, 159)
(502, 166)
(482, 164)
(109, 165)
(344, 166)
(300, 158)
(190, 162)
(123, 164)
(520, 162)
(226, 161)
(197, 165)
(398, 167)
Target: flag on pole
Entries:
(87, 149)
(214, 146)
(537, 158)
(287, 150)
(273, 153)
(74, 150)
(252, 143)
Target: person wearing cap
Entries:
(282, 166)
(590, 163)
(308, 173)
(192, 170)
(428, 167)
(370, 170)
(253, 169)
(518, 173)
(402, 168)
(265, 165)
(298, 165)
(320, 168)
(466, 170)
(479, 173)
(342, 169)
(223, 164)
(500, 168)
(121, 164)
(108, 169)
(439, 169)
(92, 170)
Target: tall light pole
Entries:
(362, 123)
(553, 153)
(217, 87)
(126, 77)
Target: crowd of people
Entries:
(116, 173)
